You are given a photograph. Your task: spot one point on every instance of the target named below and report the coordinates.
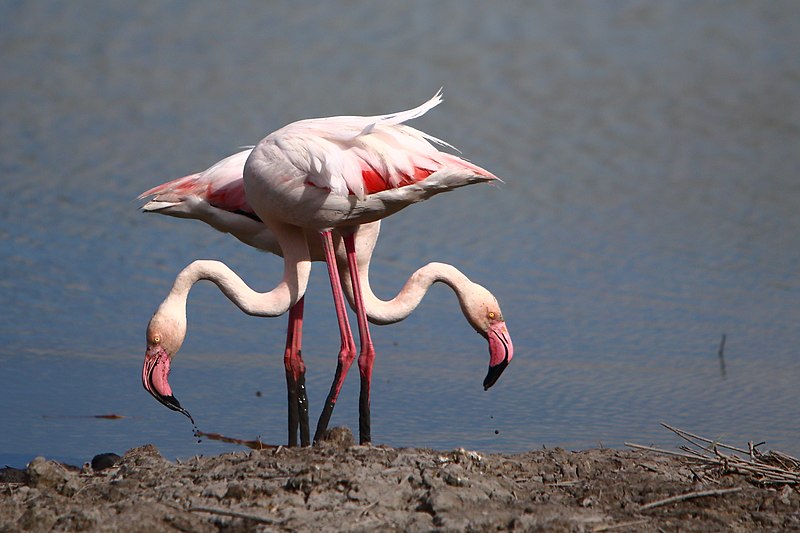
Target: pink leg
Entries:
(347, 352)
(296, 377)
(367, 356)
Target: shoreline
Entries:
(338, 486)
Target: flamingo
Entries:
(394, 166)
(216, 197)
(341, 172)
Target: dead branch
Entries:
(688, 496)
(233, 514)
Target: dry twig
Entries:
(234, 514)
(770, 468)
(688, 496)
(621, 525)
(713, 443)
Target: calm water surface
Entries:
(651, 158)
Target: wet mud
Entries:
(339, 486)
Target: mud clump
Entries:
(339, 486)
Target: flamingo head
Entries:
(483, 313)
(165, 334)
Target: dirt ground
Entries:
(338, 486)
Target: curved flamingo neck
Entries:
(272, 303)
(401, 306)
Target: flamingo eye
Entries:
(491, 315)
(156, 339)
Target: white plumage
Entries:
(364, 155)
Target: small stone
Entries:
(102, 461)
(235, 491)
(454, 480)
(339, 437)
(44, 473)
(49, 474)
(13, 475)
(216, 490)
(786, 495)
(569, 471)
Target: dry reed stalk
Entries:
(764, 468)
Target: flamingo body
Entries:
(202, 196)
(315, 176)
(343, 171)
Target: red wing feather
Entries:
(374, 182)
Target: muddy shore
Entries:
(338, 486)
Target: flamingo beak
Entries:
(501, 350)
(154, 378)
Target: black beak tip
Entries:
(493, 374)
(173, 403)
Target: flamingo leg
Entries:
(347, 352)
(367, 355)
(296, 377)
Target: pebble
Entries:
(102, 461)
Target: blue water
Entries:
(651, 158)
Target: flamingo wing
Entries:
(221, 185)
(365, 155)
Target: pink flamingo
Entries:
(216, 197)
(397, 166)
